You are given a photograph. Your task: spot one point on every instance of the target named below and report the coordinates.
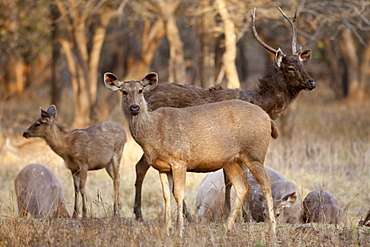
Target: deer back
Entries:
(39, 192)
(322, 207)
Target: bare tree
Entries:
(86, 24)
(228, 58)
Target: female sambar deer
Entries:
(276, 90)
(39, 192)
(288, 208)
(201, 138)
(97, 147)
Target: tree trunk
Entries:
(205, 25)
(335, 67)
(56, 88)
(229, 56)
(348, 48)
(176, 64)
(152, 35)
(365, 66)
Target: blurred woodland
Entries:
(67, 45)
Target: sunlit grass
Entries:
(329, 149)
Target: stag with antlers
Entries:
(275, 91)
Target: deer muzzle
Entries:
(26, 135)
(310, 85)
(134, 110)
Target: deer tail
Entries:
(274, 130)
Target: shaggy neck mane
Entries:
(274, 94)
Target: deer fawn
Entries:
(97, 147)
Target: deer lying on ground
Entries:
(39, 193)
(202, 138)
(97, 147)
(322, 207)
(287, 200)
(275, 91)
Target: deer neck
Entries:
(56, 139)
(141, 125)
(273, 95)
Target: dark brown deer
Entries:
(201, 138)
(39, 192)
(97, 147)
(275, 91)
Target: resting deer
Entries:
(210, 199)
(202, 138)
(39, 192)
(322, 207)
(276, 90)
(97, 147)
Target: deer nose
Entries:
(26, 135)
(134, 109)
(311, 85)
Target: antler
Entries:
(253, 15)
(294, 29)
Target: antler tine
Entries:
(253, 15)
(294, 28)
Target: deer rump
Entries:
(39, 192)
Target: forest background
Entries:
(56, 52)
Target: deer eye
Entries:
(37, 124)
(124, 92)
(291, 69)
(140, 91)
(277, 215)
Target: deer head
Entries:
(149, 82)
(40, 126)
(293, 64)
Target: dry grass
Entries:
(329, 149)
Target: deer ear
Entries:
(305, 56)
(45, 116)
(111, 81)
(150, 81)
(279, 57)
(289, 200)
(52, 110)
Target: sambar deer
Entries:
(322, 207)
(96, 147)
(201, 138)
(276, 90)
(39, 192)
(210, 199)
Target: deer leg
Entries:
(83, 177)
(184, 207)
(259, 173)
(142, 167)
(76, 183)
(235, 174)
(167, 200)
(179, 178)
(227, 205)
(113, 171)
